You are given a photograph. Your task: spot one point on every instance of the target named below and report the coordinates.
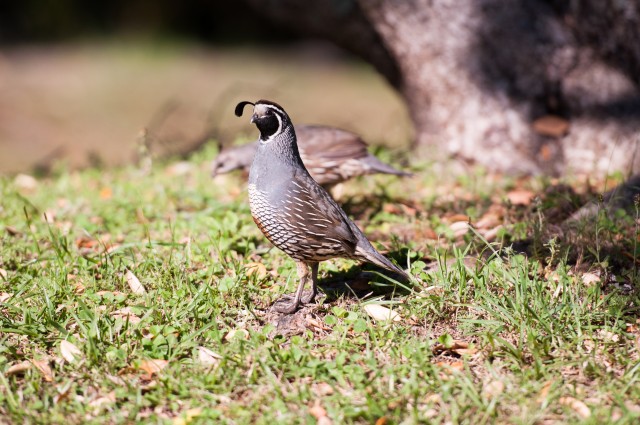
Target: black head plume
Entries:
(240, 107)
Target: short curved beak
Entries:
(254, 118)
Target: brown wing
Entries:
(329, 143)
(319, 228)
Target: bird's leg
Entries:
(292, 306)
(308, 298)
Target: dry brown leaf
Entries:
(381, 314)
(125, 313)
(114, 293)
(3, 274)
(106, 193)
(12, 231)
(4, 296)
(488, 221)
(187, 417)
(63, 393)
(237, 333)
(491, 234)
(109, 398)
(44, 368)
(134, 283)
(590, 278)
(257, 269)
(459, 228)
(577, 406)
(78, 287)
(633, 408)
(457, 217)
(447, 370)
(69, 351)
(381, 420)
(116, 380)
(19, 368)
(86, 242)
(493, 389)
(317, 411)
(434, 398)
(551, 125)
(321, 389)
(153, 366)
(457, 347)
(208, 357)
(25, 183)
(520, 196)
(313, 323)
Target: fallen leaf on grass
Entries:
(493, 389)
(152, 366)
(134, 283)
(12, 231)
(448, 369)
(488, 221)
(460, 348)
(520, 197)
(544, 392)
(208, 357)
(125, 314)
(590, 278)
(577, 406)
(109, 398)
(86, 242)
(313, 323)
(258, 269)
(19, 368)
(381, 420)
(381, 314)
(5, 296)
(63, 392)
(69, 351)
(25, 183)
(78, 287)
(321, 389)
(319, 412)
(187, 417)
(491, 234)
(112, 293)
(44, 368)
(457, 217)
(236, 333)
(459, 228)
(3, 274)
(106, 193)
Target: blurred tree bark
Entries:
(521, 86)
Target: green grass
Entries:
(509, 339)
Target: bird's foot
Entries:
(286, 305)
(308, 297)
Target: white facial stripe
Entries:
(262, 107)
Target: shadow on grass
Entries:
(356, 283)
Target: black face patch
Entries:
(268, 125)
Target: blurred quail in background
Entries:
(330, 154)
(293, 211)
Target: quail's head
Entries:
(269, 117)
(224, 163)
(232, 159)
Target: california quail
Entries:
(330, 154)
(293, 211)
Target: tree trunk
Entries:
(524, 86)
